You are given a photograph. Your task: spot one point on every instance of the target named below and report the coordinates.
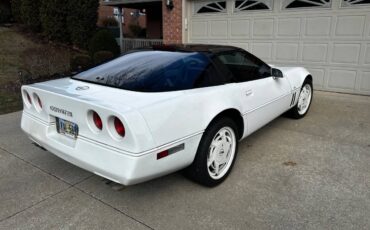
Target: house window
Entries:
(210, 7)
(244, 5)
(348, 3)
(291, 4)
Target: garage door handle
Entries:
(248, 92)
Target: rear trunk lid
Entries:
(74, 100)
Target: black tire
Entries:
(294, 112)
(198, 171)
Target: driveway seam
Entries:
(33, 165)
(69, 186)
(33, 205)
(123, 213)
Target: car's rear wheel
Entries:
(304, 101)
(216, 153)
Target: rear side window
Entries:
(155, 71)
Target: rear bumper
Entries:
(114, 164)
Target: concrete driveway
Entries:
(312, 173)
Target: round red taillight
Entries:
(97, 121)
(28, 98)
(120, 129)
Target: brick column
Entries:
(172, 23)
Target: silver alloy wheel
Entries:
(221, 153)
(304, 99)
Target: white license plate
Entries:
(67, 128)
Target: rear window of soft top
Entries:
(154, 71)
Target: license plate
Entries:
(67, 128)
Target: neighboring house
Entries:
(130, 17)
(329, 37)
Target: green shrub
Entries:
(109, 22)
(30, 13)
(103, 40)
(16, 9)
(135, 29)
(81, 21)
(53, 15)
(80, 62)
(102, 56)
(5, 12)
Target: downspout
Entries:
(120, 15)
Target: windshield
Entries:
(150, 71)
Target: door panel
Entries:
(264, 100)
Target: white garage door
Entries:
(329, 37)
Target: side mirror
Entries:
(276, 73)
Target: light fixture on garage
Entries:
(169, 4)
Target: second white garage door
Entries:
(329, 37)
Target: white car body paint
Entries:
(154, 122)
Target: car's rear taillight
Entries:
(97, 121)
(28, 97)
(38, 103)
(118, 125)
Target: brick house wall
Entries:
(104, 12)
(172, 23)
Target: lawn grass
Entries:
(12, 45)
(10, 101)
(21, 53)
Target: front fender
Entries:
(295, 76)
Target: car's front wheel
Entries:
(216, 153)
(304, 101)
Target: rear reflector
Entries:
(170, 151)
(162, 154)
(97, 121)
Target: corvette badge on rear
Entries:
(151, 112)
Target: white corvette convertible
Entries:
(154, 111)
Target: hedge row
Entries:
(65, 21)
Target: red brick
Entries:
(172, 23)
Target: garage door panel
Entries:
(342, 79)
(312, 30)
(332, 41)
(314, 52)
(367, 55)
(239, 28)
(263, 50)
(350, 25)
(199, 29)
(365, 81)
(218, 28)
(346, 53)
(289, 27)
(244, 46)
(263, 28)
(318, 76)
(287, 52)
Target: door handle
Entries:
(248, 92)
